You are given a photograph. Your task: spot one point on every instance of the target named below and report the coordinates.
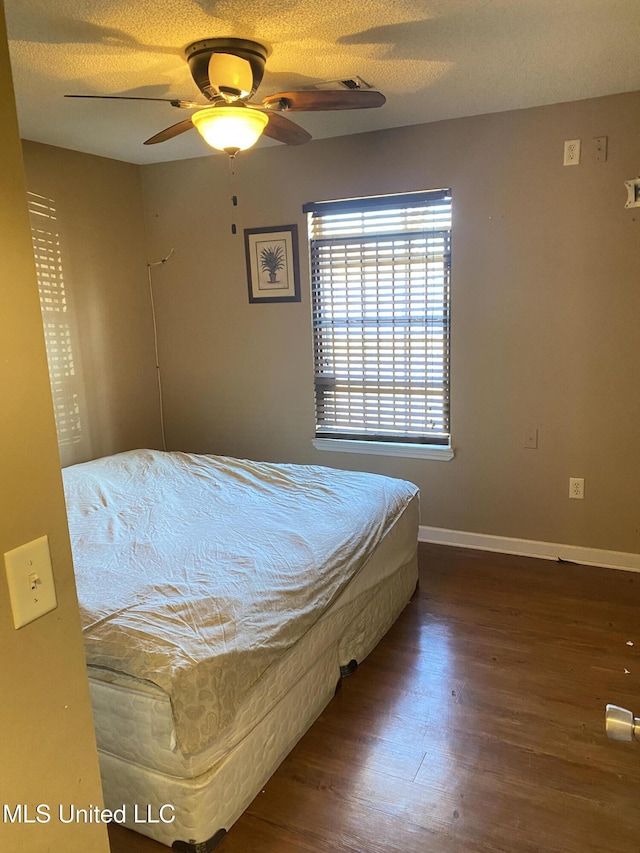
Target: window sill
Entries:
(385, 448)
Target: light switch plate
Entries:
(30, 580)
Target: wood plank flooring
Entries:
(476, 725)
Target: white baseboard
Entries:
(531, 548)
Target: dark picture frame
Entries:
(273, 266)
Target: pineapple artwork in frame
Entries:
(272, 263)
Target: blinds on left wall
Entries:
(57, 319)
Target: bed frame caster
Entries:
(348, 669)
(199, 846)
(621, 724)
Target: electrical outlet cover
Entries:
(572, 152)
(576, 487)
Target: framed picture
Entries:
(272, 263)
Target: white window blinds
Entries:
(54, 304)
(380, 271)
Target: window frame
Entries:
(423, 445)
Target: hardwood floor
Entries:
(476, 725)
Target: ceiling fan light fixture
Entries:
(230, 129)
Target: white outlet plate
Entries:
(30, 580)
(576, 487)
(572, 152)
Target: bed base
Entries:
(348, 668)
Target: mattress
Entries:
(182, 582)
(134, 720)
(213, 643)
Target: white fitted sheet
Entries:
(183, 583)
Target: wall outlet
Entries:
(576, 487)
(531, 438)
(571, 152)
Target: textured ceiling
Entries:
(433, 59)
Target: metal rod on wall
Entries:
(155, 343)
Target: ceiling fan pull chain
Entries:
(234, 197)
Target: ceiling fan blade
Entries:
(170, 132)
(175, 102)
(284, 130)
(325, 99)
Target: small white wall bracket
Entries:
(633, 192)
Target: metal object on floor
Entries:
(620, 723)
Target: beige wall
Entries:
(545, 312)
(48, 752)
(101, 227)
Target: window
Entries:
(56, 319)
(380, 276)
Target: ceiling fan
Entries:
(228, 72)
